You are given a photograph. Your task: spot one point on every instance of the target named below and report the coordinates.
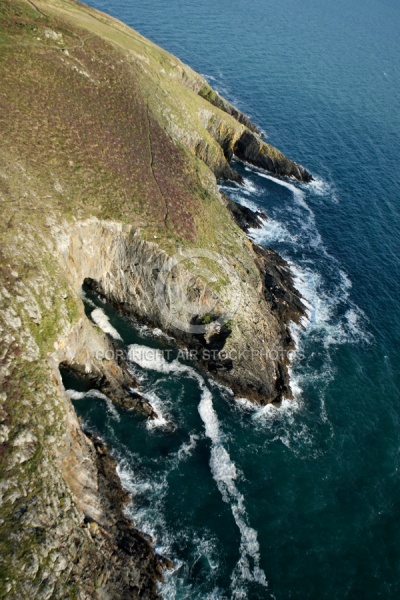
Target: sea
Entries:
(300, 502)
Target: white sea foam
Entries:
(250, 186)
(331, 317)
(187, 447)
(224, 388)
(307, 232)
(150, 518)
(322, 188)
(153, 358)
(222, 467)
(323, 307)
(135, 484)
(244, 403)
(74, 395)
(85, 298)
(319, 186)
(112, 410)
(157, 332)
(100, 318)
(150, 332)
(239, 198)
(272, 231)
(355, 319)
(298, 194)
(225, 473)
(162, 419)
(174, 584)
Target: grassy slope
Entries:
(82, 134)
(86, 124)
(95, 120)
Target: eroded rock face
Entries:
(278, 286)
(244, 217)
(126, 271)
(250, 148)
(136, 568)
(108, 173)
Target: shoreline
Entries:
(117, 185)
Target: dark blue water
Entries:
(301, 502)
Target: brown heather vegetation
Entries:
(95, 121)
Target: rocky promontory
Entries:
(111, 149)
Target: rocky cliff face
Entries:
(108, 164)
(165, 291)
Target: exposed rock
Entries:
(108, 172)
(250, 148)
(214, 98)
(117, 384)
(127, 271)
(245, 217)
(136, 567)
(278, 286)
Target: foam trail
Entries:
(153, 358)
(322, 308)
(239, 198)
(222, 467)
(249, 186)
(151, 520)
(157, 404)
(307, 222)
(74, 395)
(319, 186)
(225, 473)
(297, 193)
(101, 319)
(85, 299)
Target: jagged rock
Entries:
(108, 171)
(278, 286)
(115, 382)
(245, 217)
(252, 149)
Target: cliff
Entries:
(110, 152)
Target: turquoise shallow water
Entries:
(306, 502)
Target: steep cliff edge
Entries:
(108, 164)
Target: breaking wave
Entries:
(222, 468)
(74, 395)
(332, 318)
(100, 318)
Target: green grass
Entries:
(131, 143)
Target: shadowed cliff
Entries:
(110, 150)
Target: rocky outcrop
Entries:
(117, 561)
(215, 99)
(135, 567)
(278, 286)
(156, 288)
(121, 390)
(250, 148)
(244, 217)
(108, 173)
(63, 530)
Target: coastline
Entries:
(117, 186)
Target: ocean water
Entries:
(301, 502)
